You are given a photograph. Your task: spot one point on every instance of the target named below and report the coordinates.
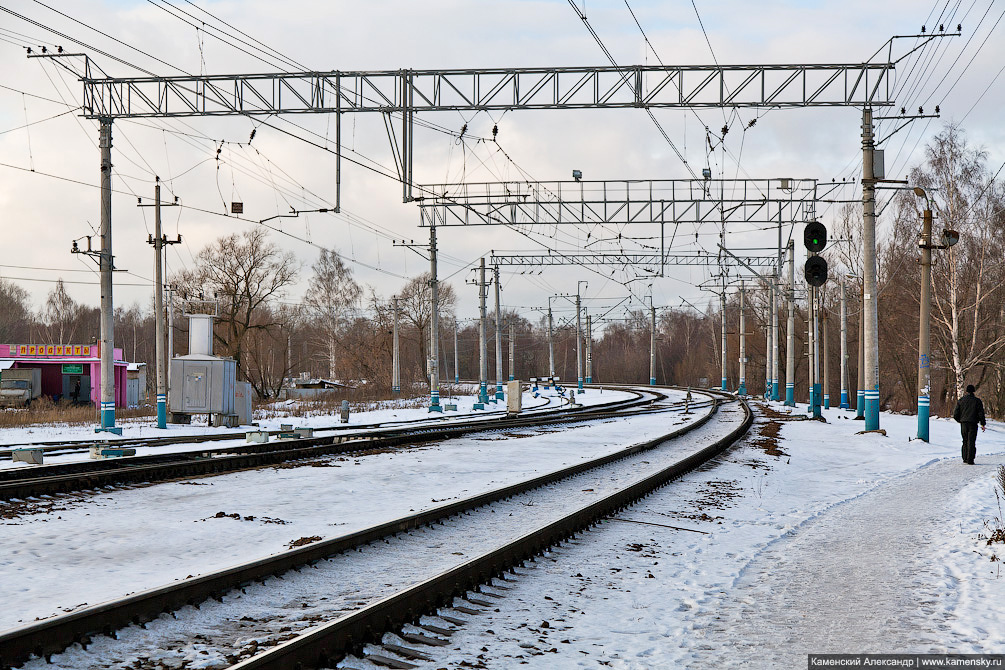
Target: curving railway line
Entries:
(529, 517)
(26, 482)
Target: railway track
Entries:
(350, 630)
(21, 483)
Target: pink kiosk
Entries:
(70, 371)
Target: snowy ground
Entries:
(844, 543)
(390, 412)
(66, 551)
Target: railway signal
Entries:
(815, 239)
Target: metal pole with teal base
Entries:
(923, 407)
(817, 391)
(872, 409)
(161, 410)
(844, 399)
(790, 395)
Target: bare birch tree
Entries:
(332, 297)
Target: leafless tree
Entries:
(246, 274)
(331, 298)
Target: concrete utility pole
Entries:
(159, 241)
(589, 350)
(551, 341)
(844, 349)
(395, 355)
(826, 358)
(579, 338)
(512, 353)
(742, 390)
(870, 311)
(434, 327)
(790, 348)
(776, 349)
(106, 266)
(722, 311)
(652, 343)
(170, 342)
(483, 364)
(860, 382)
(814, 338)
(499, 359)
(457, 369)
(767, 346)
(924, 325)
(159, 307)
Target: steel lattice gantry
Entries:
(407, 92)
(694, 201)
(625, 258)
(683, 86)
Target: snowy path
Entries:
(843, 543)
(864, 577)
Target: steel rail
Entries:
(50, 636)
(23, 483)
(323, 645)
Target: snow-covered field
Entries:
(845, 543)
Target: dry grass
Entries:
(45, 412)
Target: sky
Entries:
(49, 158)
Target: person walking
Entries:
(969, 412)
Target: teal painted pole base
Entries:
(774, 390)
(108, 419)
(724, 384)
(483, 395)
(589, 380)
(652, 381)
(511, 378)
(872, 410)
(844, 399)
(457, 380)
(923, 409)
(790, 395)
(434, 402)
(499, 392)
(827, 400)
(579, 388)
(860, 405)
(396, 390)
(743, 387)
(161, 411)
(815, 399)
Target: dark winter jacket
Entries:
(969, 409)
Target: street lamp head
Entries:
(950, 237)
(577, 174)
(920, 192)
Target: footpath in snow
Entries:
(821, 541)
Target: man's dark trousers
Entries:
(969, 431)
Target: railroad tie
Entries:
(408, 652)
(454, 620)
(389, 662)
(464, 610)
(419, 638)
(478, 601)
(436, 630)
